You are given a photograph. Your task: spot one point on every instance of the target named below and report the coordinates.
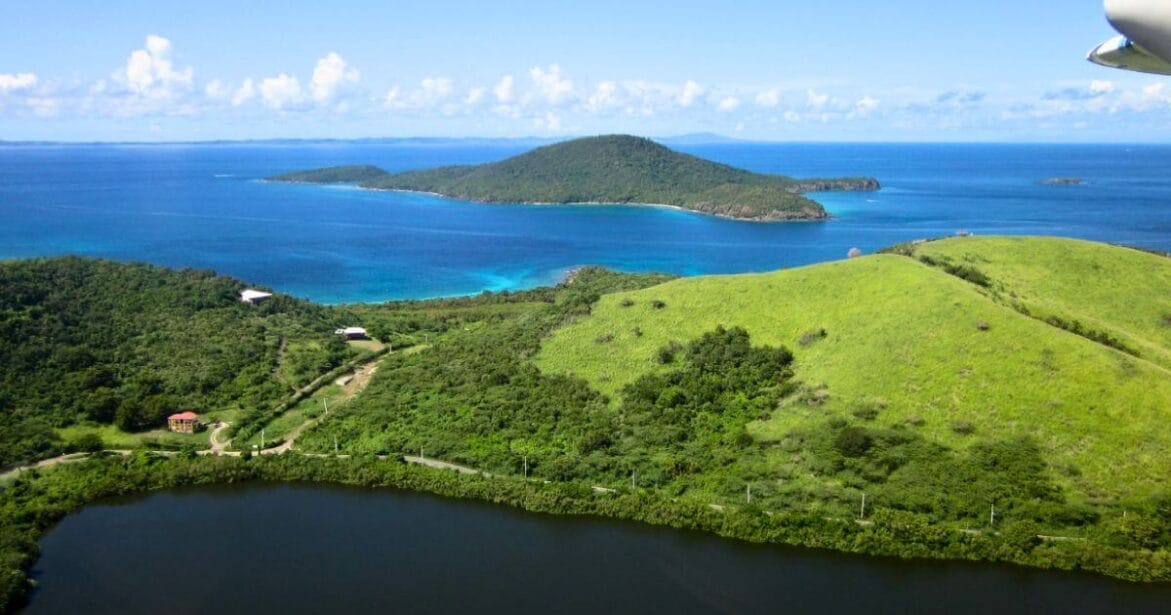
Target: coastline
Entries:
(681, 208)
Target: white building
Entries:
(253, 296)
(352, 333)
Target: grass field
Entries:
(311, 407)
(1121, 291)
(115, 438)
(927, 349)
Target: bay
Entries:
(203, 206)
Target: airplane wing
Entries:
(1145, 44)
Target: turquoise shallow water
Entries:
(202, 206)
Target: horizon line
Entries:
(696, 138)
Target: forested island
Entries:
(616, 169)
(984, 411)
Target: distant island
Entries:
(615, 169)
(1063, 181)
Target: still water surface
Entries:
(312, 549)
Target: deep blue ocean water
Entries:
(202, 206)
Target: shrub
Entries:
(604, 338)
(626, 302)
(666, 354)
(658, 304)
(963, 427)
(983, 326)
(809, 337)
(854, 442)
(866, 412)
(88, 443)
(637, 331)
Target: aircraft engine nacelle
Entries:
(1145, 44)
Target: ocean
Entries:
(204, 206)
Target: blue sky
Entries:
(826, 70)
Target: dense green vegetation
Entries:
(937, 388)
(127, 345)
(610, 169)
(887, 342)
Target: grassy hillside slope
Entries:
(1122, 292)
(609, 169)
(921, 349)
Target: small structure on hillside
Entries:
(353, 333)
(184, 422)
(252, 296)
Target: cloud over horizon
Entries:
(158, 81)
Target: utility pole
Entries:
(262, 438)
(632, 473)
(335, 446)
(749, 490)
(992, 515)
(862, 515)
(526, 467)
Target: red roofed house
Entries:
(184, 422)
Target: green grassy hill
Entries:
(609, 169)
(907, 346)
(1120, 292)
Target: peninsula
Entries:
(615, 169)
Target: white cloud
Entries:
(148, 84)
(728, 103)
(1101, 87)
(243, 94)
(769, 98)
(551, 122)
(392, 99)
(864, 107)
(151, 73)
(436, 88)
(16, 82)
(43, 106)
(816, 101)
(503, 89)
(475, 95)
(550, 85)
(691, 91)
(433, 94)
(329, 75)
(216, 90)
(604, 97)
(281, 92)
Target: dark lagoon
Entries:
(314, 549)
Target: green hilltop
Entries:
(609, 169)
(901, 342)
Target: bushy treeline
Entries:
(129, 344)
(36, 501)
